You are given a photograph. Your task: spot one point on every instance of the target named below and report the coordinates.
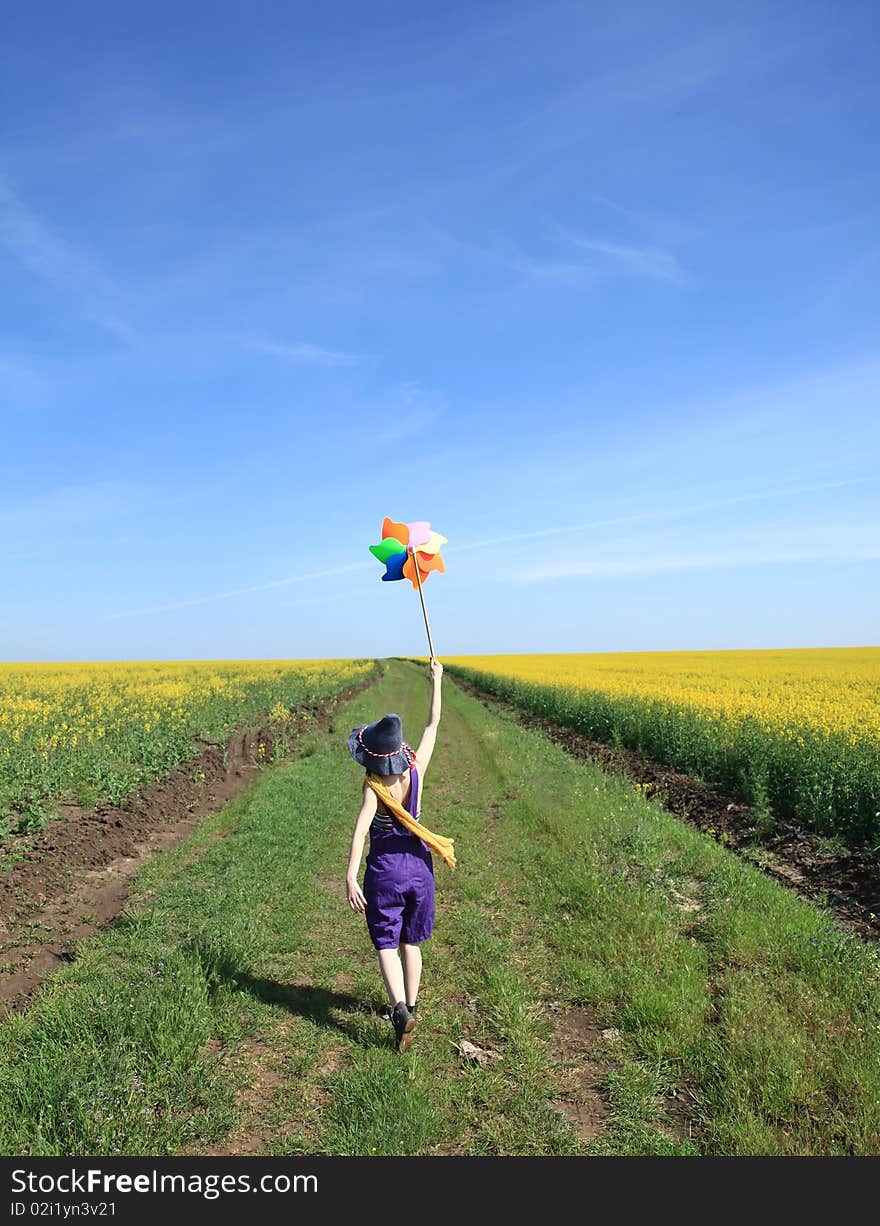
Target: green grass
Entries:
(237, 1002)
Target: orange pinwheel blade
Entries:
(427, 563)
(399, 531)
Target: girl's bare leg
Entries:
(412, 971)
(392, 973)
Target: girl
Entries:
(398, 893)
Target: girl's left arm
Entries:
(355, 894)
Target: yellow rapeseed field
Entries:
(835, 690)
(100, 730)
(798, 729)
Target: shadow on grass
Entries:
(340, 1011)
(317, 1004)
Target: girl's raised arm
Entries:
(429, 736)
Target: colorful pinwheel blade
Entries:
(426, 562)
(400, 532)
(419, 532)
(432, 545)
(394, 567)
(386, 548)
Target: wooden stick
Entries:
(422, 598)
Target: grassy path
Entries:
(646, 991)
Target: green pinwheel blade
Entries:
(388, 546)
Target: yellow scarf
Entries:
(436, 842)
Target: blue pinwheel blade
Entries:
(394, 567)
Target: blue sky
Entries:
(591, 287)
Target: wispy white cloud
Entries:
(305, 354)
(661, 227)
(405, 412)
(502, 256)
(571, 258)
(26, 381)
(70, 508)
(415, 424)
(44, 252)
(554, 272)
(619, 259)
(857, 271)
(657, 564)
(661, 71)
(242, 591)
(655, 515)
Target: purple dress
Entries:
(399, 880)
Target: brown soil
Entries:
(846, 881)
(587, 1052)
(577, 1043)
(261, 1083)
(73, 877)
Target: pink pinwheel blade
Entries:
(419, 532)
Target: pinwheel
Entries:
(410, 551)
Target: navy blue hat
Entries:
(380, 747)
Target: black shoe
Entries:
(413, 1008)
(404, 1024)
